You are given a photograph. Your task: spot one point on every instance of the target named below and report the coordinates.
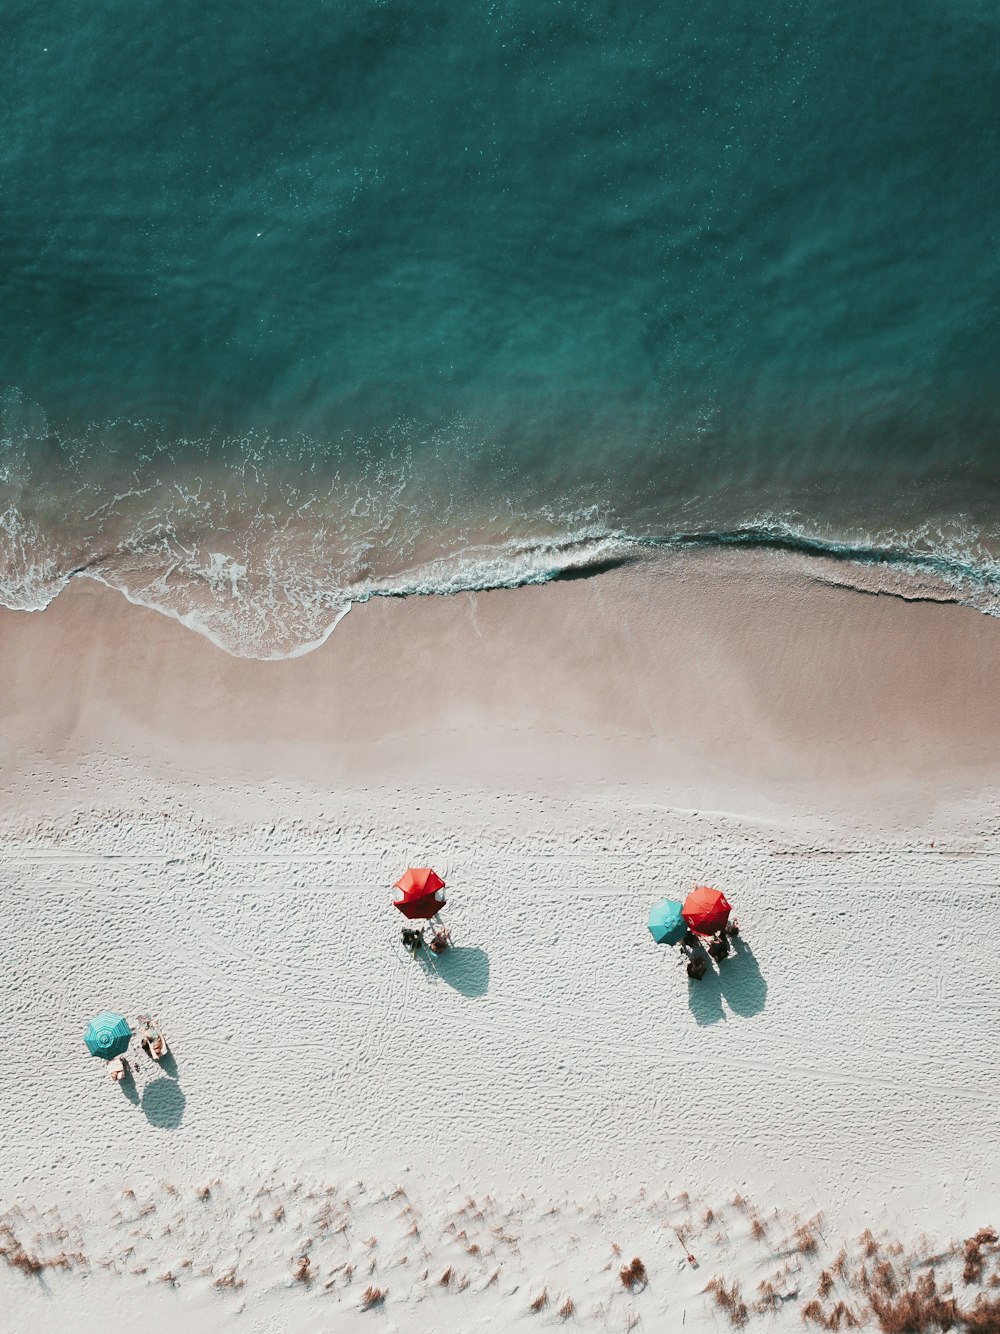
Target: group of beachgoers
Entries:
(413, 940)
(152, 1042)
(696, 952)
(419, 895)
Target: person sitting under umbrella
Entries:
(118, 1069)
(719, 948)
(413, 939)
(693, 950)
(440, 941)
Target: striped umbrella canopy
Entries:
(419, 893)
(706, 910)
(666, 922)
(108, 1035)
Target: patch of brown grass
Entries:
(446, 1277)
(730, 1300)
(805, 1239)
(758, 1228)
(302, 1268)
(567, 1309)
(883, 1279)
(540, 1302)
(915, 1310)
(983, 1317)
(825, 1283)
(972, 1251)
(17, 1256)
(868, 1243)
(768, 1299)
(838, 1317)
(228, 1280)
(634, 1276)
(371, 1296)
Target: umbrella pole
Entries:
(688, 1256)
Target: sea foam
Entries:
(268, 608)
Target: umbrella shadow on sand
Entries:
(163, 1103)
(705, 999)
(738, 980)
(465, 968)
(742, 982)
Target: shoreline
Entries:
(274, 600)
(738, 681)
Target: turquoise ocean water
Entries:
(309, 301)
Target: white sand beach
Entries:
(488, 1138)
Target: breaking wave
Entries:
(282, 607)
(264, 551)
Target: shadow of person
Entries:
(168, 1065)
(127, 1086)
(163, 1103)
(465, 968)
(742, 982)
(705, 998)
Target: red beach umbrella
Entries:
(419, 892)
(706, 910)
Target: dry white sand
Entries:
(213, 840)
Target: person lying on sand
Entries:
(118, 1068)
(440, 940)
(696, 967)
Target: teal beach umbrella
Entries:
(666, 925)
(108, 1035)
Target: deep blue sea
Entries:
(305, 302)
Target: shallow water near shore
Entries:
(338, 301)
